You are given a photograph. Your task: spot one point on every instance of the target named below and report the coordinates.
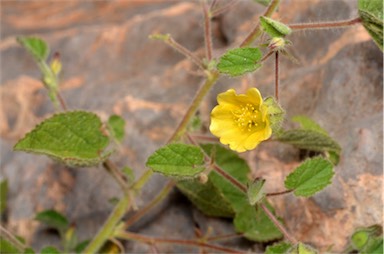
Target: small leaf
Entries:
(7, 247)
(129, 173)
(276, 114)
(255, 191)
(255, 224)
(29, 251)
(309, 140)
(371, 14)
(207, 198)
(50, 250)
(116, 127)
(310, 177)
(263, 2)
(35, 46)
(53, 219)
(308, 124)
(238, 61)
(81, 246)
(74, 138)
(278, 248)
(368, 239)
(301, 248)
(274, 28)
(3, 195)
(178, 160)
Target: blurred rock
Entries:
(111, 67)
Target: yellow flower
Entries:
(240, 120)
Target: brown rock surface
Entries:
(110, 66)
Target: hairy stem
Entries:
(4, 233)
(325, 25)
(153, 240)
(108, 228)
(278, 193)
(117, 175)
(204, 89)
(278, 224)
(257, 31)
(277, 75)
(207, 31)
(163, 194)
(224, 8)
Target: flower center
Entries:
(247, 117)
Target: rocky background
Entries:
(111, 67)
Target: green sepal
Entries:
(276, 114)
(274, 28)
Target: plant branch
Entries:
(277, 75)
(4, 233)
(139, 214)
(117, 175)
(224, 8)
(179, 48)
(207, 31)
(278, 193)
(204, 89)
(325, 25)
(108, 228)
(257, 31)
(152, 240)
(278, 224)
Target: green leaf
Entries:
(368, 239)
(310, 177)
(274, 28)
(53, 219)
(7, 247)
(116, 127)
(235, 166)
(74, 138)
(255, 224)
(37, 47)
(177, 160)
(50, 250)
(81, 246)
(29, 251)
(371, 14)
(308, 124)
(207, 198)
(278, 248)
(255, 191)
(276, 114)
(238, 61)
(309, 140)
(301, 248)
(3, 195)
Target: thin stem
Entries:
(163, 194)
(108, 228)
(214, 2)
(257, 31)
(278, 193)
(223, 237)
(224, 8)
(62, 101)
(204, 89)
(117, 175)
(180, 48)
(267, 56)
(152, 240)
(207, 31)
(325, 25)
(4, 233)
(278, 224)
(277, 75)
(219, 170)
(142, 180)
(230, 178)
